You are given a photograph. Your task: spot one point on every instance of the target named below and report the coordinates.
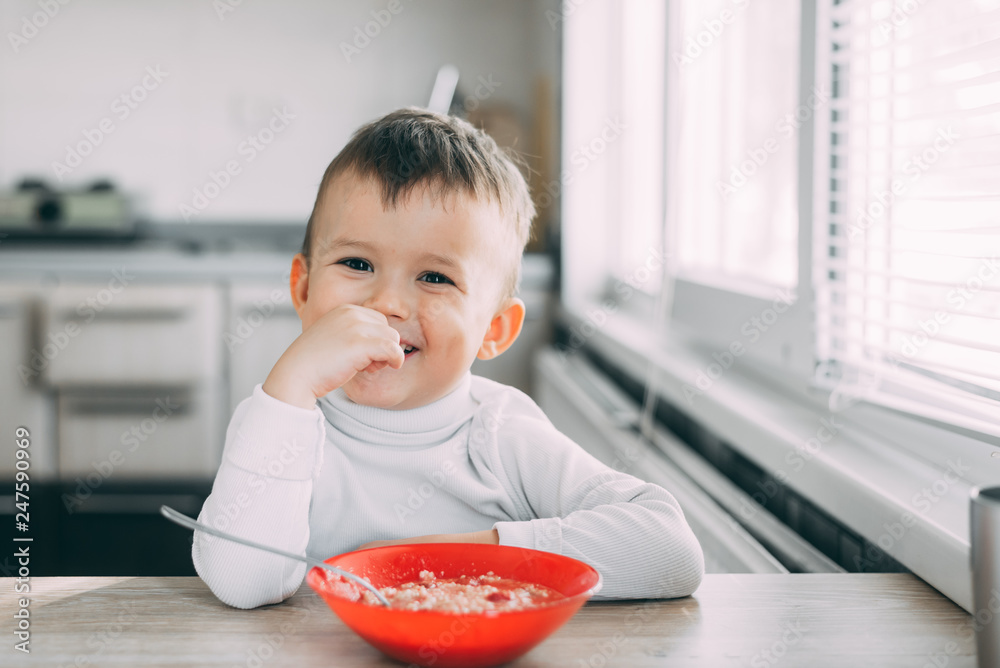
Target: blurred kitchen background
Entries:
(158, 162)
(762, 274)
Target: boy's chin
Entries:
(378, 390)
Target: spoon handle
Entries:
(185, 521)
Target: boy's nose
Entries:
(388, 299)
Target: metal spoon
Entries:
(186, 521)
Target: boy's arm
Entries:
(262, 492)
(273, 452)
(632, 531)
(489, 537)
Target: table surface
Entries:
(732, 620)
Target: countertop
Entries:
(163, 262)
(146, 262)
(881, 620)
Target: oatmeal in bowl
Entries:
(456, 604)
(465, 594)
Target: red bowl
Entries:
(440, 639)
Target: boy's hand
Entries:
(491, 537)
(347, 340)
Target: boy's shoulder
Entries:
(515, 429)
(504, 403)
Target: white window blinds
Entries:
(907, 262)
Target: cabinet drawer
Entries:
(139, 335)
(147, 433)
(23, 403)
(261, 324)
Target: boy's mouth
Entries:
(408, 350)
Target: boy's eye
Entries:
(356, 264)
(433, 277)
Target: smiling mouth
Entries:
(408, 351)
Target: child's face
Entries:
(433, 272)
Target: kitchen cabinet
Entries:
(122, 364)
(112, 529)
(138, 378)
(127, 333)
(120, 383)
(260, 326)
(24, 401)
(140, 433)
(118, 529)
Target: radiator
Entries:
(589, 408)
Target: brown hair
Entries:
(414, 147)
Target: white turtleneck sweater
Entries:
(326, 480)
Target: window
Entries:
(908, 253)
(740, 109)
(877, 229)
(613, 144)
(640, 177)
(838, 156)
(734, 139)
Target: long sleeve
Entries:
(262, 492)
(632, 531)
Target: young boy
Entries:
(370, 429)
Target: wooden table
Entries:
(732, 620)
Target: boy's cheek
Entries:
(322, 302)
(309, 317)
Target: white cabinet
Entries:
(23, 399)
(110, 334)
(260, 325)
(138, 372)
(143, 433)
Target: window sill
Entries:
(897, 492)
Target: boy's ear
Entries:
(299, 282)
(503, 331)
